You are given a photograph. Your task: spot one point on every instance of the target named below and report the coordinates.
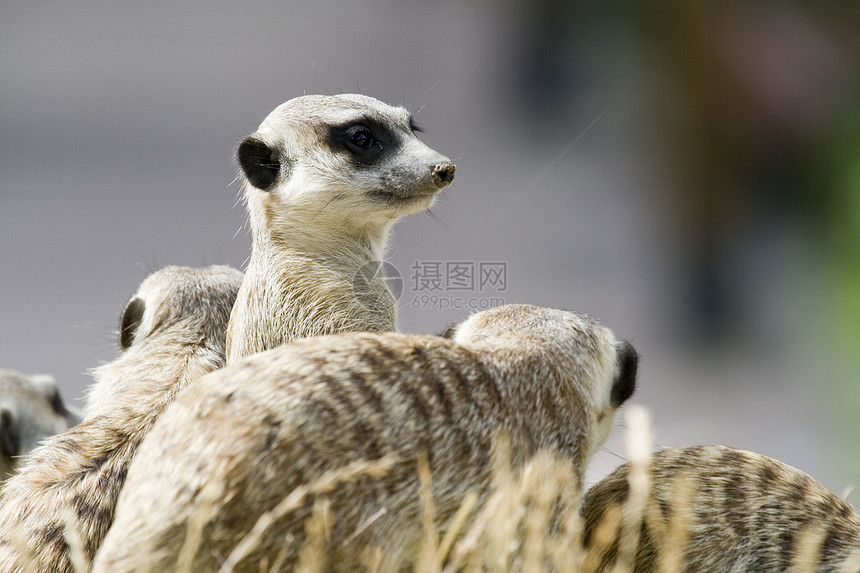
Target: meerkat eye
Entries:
(365, 144)
(362, 138)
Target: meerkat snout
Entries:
(625, 382)
(443, 174)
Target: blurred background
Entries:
(688, 172)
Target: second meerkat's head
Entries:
(348, 159)
(585, 368)
(173, 294)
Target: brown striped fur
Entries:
(173, 335)
(748, 513)
(256, 430)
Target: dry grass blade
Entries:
(851, 563)
(77, 553)
(807, 549)
(25, 557)
(318, 535)
(323, 484)
(211, 492)
(513, 528)
(429, 544)
(638, 442)
(454, 528)
(674, 541)
(539, 514)
(603, 537)
(465, 551)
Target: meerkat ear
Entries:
(10, 443)
(449, 331)
(130, 321)
(625, 383)
(259, 162)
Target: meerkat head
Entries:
(31, 408)
(593, 372)
(349, 160)
(174, 293)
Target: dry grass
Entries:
(528, 523)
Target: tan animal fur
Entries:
(733, 511)
(326, 178)
(31, 408)
(172, 332)
(244, 438)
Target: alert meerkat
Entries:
(31, 408)
(172, 332)
(245, 437)
(326, 178)
(723, 510)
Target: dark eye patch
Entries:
(365, 140)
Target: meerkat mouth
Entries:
(394, 197)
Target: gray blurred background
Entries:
(687, 172)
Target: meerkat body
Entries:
(244, 438)
(31, 408)
(172, 332)
(326, 178)
(742, 513)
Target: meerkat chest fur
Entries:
(326, 179)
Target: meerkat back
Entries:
(61, 502)
(344, 419)
(713, 509)
(326, 177)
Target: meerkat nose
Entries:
(443, 174)
(625, 382)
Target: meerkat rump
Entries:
(726, 511)
(172, 332)
(31, 408)
(245, 437)
(326, 178)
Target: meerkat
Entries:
(326, 177)
(715, 509)
(241, 440)
(62, 499)
(31, 409)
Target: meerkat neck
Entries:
(308, 282)
(314, 232)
